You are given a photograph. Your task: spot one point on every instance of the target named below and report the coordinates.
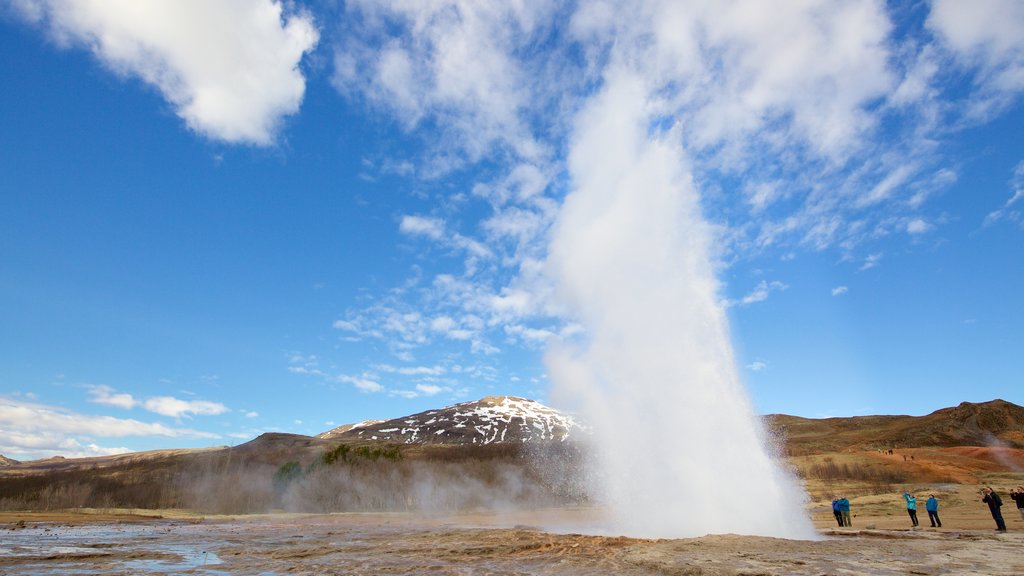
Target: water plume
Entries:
(679, 448)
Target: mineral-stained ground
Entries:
(490, 544)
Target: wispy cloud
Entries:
(852, 110)
(1010, 210)
(918, 226)
(840, 290)
(36, 429)
(362, 383)
(176, 408)
(985, 38)
(106, 395)
(760, 293)
(163, 405)
(757, 366)
(433, 228)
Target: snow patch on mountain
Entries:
(491, 420)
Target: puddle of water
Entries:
(105, 549)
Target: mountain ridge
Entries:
(993, 423)
(490, 420)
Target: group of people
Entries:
(988, 496)
(841, 507)
(931, 505)
(841, 510)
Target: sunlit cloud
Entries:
(106, 395)
(36, 429)
(234, 87)
(176, 408)
(163, 405)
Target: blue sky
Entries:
(223, 219)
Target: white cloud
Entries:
(442, 324)
(885, 188)
(252, 414)
(448, 60)
(757, 366)
(362, 383)
(918, 226)
(871, 261)
(229, 68)
(432, 228)
(985, 35)
(163, 405)
(760, 292)
(1008, 211)
(429, 389)
(36, 430)
(840, 290)
(106, 395)
(175, 408)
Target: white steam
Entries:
(681, 452)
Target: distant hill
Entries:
(516, 447)
(5, 461)
(491, 420)
(994, 423)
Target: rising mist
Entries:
(680, 450)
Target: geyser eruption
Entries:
(680, 450)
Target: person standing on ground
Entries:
(836, 512)
(844, 511)
(932, 506)
(994, 504)
(911, 508)
(1018, 498)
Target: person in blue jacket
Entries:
(836, 512)
(911, 507)
(844, 511)
(932, 506)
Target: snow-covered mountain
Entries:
(491, 420)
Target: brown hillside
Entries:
(994, 423)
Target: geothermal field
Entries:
(498, 544)
(343, 508)
(235, 233)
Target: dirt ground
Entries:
(126, 542)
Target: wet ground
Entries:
(406, 545)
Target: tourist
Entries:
(911, 508)
(844, 510)
(836, 512)
(1018, 497)
(994, 504)
(932, 506)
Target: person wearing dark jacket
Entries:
(932, 506)
(994, 504)
(836, 512)
(1018, 498)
